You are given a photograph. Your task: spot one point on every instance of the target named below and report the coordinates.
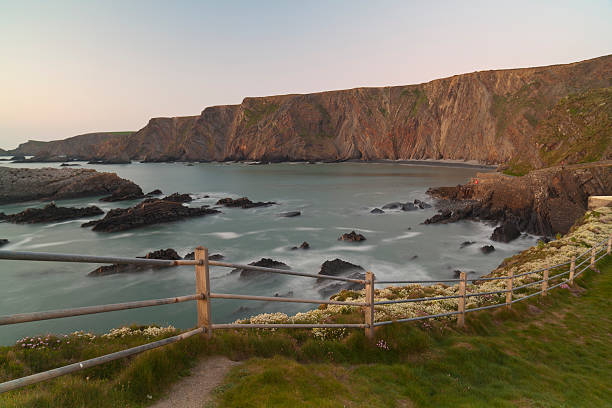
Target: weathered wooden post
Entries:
(509, 284)
(461, 305)
(545, 283)
(369, 309)
(609, 245)
(593, 253)
(572, 270)
(203, 288)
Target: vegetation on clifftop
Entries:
(578, 130)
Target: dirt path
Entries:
(194, 391)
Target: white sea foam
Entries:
(354, 248)
(225, 235)
(403, 236)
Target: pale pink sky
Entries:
(70, 67)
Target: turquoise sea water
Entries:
(333, 199)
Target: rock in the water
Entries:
(338, 267)
(178, 198)
(305, 245)
(120, 160)
(151, 211)
(377, 211)
(213, 257)
(352, 237)
(392, 206)
(409, 207)
(466, 243)
(243, 202)
(124, 193)
(51, 213)
(69, 165)
(505, 232)
(156, 192)
(487, 249)
(290, 214)
(421, 204)
(3, 242)
(457, 273)
(20, 184)
(113, 269)
(264, 263)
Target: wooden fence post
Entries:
(545, 283)
(593, 252)
(609, 244)
(509, 284)
(203, 287)
(572, 270)
(461, 306)
(369, 309)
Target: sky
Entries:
(73, 67)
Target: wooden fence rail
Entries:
(204, 295)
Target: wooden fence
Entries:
(204, 295)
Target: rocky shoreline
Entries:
(543, 202)
(20, 184)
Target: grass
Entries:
(578, 129)
(551, 352)
(258, 112)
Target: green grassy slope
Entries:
(551, 352)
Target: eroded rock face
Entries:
(243, 202)
(352, 237)
(51, 213)
(264, 263)
(19, 184)
(151, 211)
(488, 116)
(542, 202)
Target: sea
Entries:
(333, 198)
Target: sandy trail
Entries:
(195, 390)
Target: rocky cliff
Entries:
(515, 117)
(82, 146)
(542, 202)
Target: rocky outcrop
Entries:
(505, 233)
(304, 245)
(542, 202)
(149, 212)
(81, 146)
(18, 184)
(51, 213)
(243, 202)
(487, 249)
(124, 193)
(504, 116)
(264, 263)
(352, 237)
(179, 198)
(338, 267)
(113, 269)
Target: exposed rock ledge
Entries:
(18, 184)
(543, 202)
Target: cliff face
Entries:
(82, 146)
(542, 202)
(490, 116)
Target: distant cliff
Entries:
(523, 118)
(82, 146)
